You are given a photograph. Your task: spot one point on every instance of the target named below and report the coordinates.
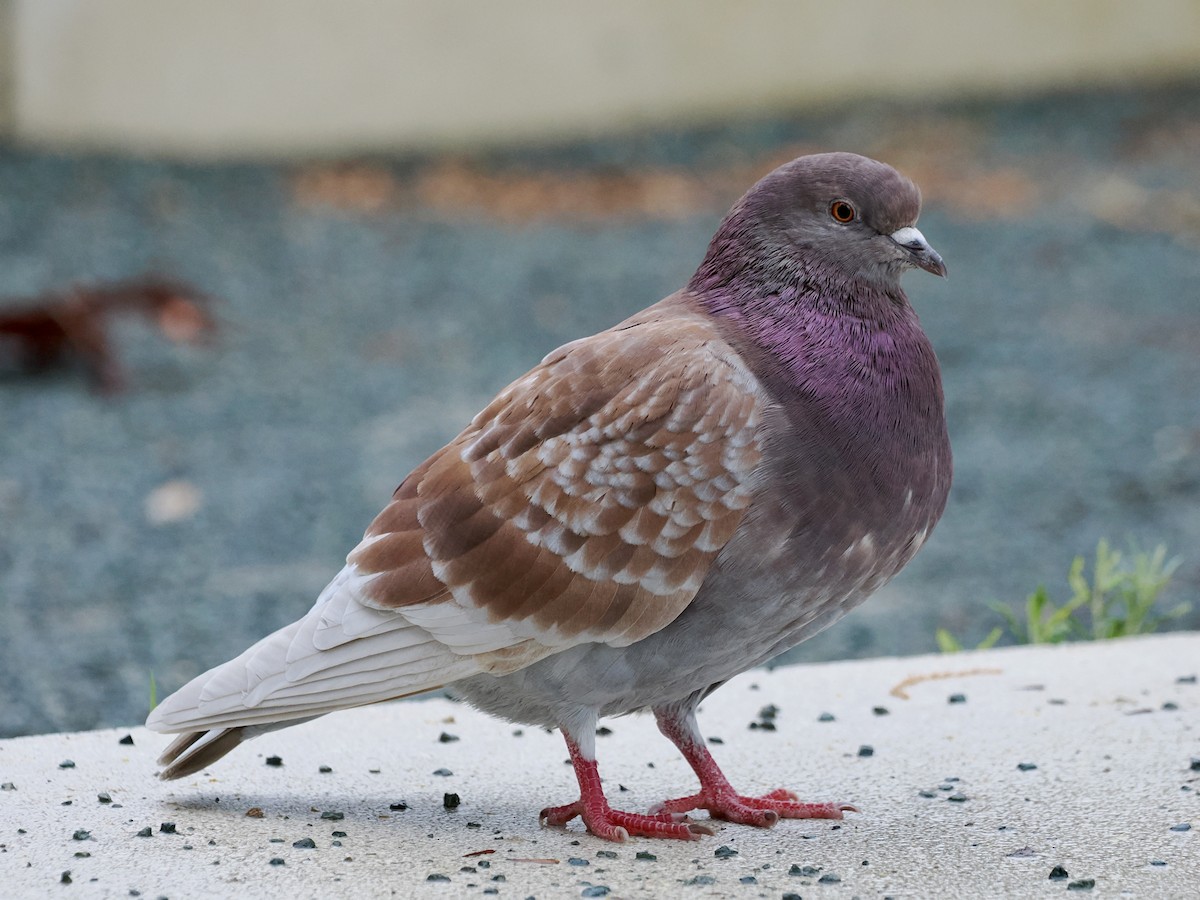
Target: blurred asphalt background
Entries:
(368, 309)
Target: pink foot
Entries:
(762, 811)
(717, 795)
(615, 825)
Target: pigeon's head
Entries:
(835, 215)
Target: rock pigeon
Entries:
(648, 512)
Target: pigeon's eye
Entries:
(842, 211)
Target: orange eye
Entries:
(842, 211)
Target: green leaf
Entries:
(990, 641)
(947, 643)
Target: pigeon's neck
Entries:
(854, 350)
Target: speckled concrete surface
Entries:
(368, 311)
(1085, 757)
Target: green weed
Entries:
(1118, 600)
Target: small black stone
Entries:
(451, 801)
(338, 834)
(127, 740)
(724, 852)
(1158, 862)
(701, 879)
(65, 877)
(866, 750)
(595, 890)
(1195, 765)
(576, 861)
(1186, 679)
(399, 806)
(81, 854)
(437, 876)
(443, 772)
(957, 698)
(1026, 767)
(716, 740)
(499, 878)
(1058, 873)
(305, 844)
(804, 871)
(145, 832)
(606, 854)
(1170, 707)
(447, 738)
(880, 710)
(792, 896)
(277, 861)
(829, 878)
(1083, 884)
(826, 717)
(604, 731)
(958, 798)
(325, 770)
(644, 855)
(748, 879)
(81, 835)
(167, 828)
(104, 797)
(8, 786)
(762, 726)
(274, 760)
(1182, 826)
(67, 764)
(926, 794)
(770, 711)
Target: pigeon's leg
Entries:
(716, 794)
(601, 819)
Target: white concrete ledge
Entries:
(227, 77)
(1112, 728)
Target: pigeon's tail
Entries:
(196, 750)
(341, 654)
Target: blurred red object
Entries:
(55, 329)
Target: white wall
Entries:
(255, 77)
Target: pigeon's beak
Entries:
(919, 252)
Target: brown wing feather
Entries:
(590, 498)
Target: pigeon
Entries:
(648, 512)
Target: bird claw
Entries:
(762, 811)
(616, 825)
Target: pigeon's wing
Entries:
(586, 503)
